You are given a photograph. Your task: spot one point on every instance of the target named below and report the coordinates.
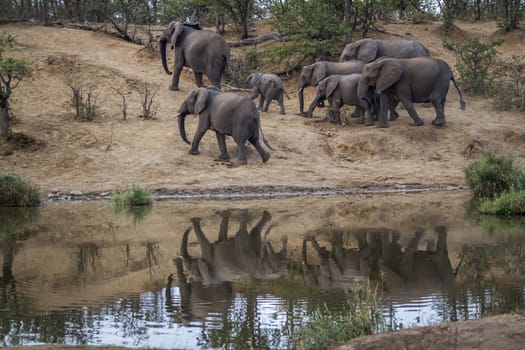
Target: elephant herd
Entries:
(372, 75)
(379, 256)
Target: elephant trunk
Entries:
(163, 41)
(182, 128)
(362, 90)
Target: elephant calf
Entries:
(269, 87)
(227, 114)
(341, 90)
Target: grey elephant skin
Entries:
(341, 90)
(227, 114)
(246, 255)
(313, 73)
(269, 87)
(420, 79)
(368, 50)
(204, 51)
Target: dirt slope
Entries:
(61, 154)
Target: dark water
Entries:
(185, 275)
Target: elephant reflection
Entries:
(245, 256)
(381, 256)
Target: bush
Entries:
(17, 192)
(325, 328)
(507, 204)
(475, 60)
(133, 197)
(240, 68)
(493, 175)
(508, 90)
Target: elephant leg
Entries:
(205, 245)
(384, 100)
(314, 104)
(223, 231)
(440, 112)
(201, 130)
(357, 113)
(266, 104)
(392, 106)
(334, 112)
(261, 102)
(406, 100)
(198, 79)
(241, 145)
(281, 104)
(175, 79)
(221, 140)
(262, 152)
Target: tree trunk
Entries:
(5, 119)
(347, 19)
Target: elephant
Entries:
(245, 256)
(341, 90)
(368, 50)
(313, 73)
(204, 51)
(269, 87)
(227, 114)
(419, 79)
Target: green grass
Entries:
(326, 328)
(507, 204)
(133, 197)
(17, 192)
(492, 175)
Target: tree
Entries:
(240, 12)
(12, 71)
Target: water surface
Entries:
(215, 274)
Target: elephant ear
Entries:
(331, 85)
(178, 28)
(200, 102)
(318, 73)
(389, 74)
(367, 51)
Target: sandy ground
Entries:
(62, 155)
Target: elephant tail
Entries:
(265, 140)
(461, 100)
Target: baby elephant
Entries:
(227, 114)
(269, 87)
(341, 90)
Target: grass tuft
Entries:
(133, 197)
(17, 192)
(507, 204)
(326, 328)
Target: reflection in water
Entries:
(234, 281)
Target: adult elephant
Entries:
(368, 50)
(227, 114)
(420, 79)
(313, 73)
(269, 87)
(204, 51)
(246, 255)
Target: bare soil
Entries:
(66, 156)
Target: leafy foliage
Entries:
(507, 204)
(132, 197)
(475, 60)
(315, 30)
(12, 71)
(240, 68)
(17, 192)
(508, 89)
(493, 175)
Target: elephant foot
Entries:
(355, 115)
(382, 125)
(240, 162)
(439, 122)
(417, 123)
(265, 157)
(394, 116)
(282, 112)
(224, 157)
(173, 88)
(369, 124)
(194, 152)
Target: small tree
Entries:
(12, 71)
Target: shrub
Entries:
(17, 192)
(493, 175)
(133, 197)
(84, 103)
(240, 68)
(326, 328)
(507, 204)
(475, 60)
(508, 90)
